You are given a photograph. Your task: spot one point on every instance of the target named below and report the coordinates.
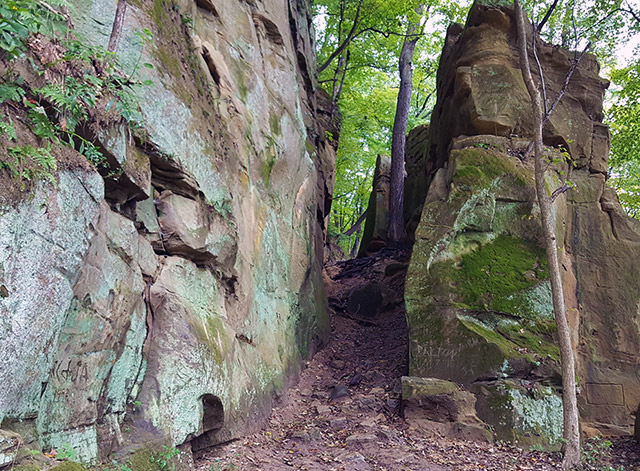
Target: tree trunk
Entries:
(116, 30)
(356, 245)
(397, 231)
(571, 457)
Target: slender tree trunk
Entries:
(356, 244)
(571, 456)
(397, 231)
(116, 30)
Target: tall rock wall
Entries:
(478, 293)
(169, 300)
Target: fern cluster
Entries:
(28, 163)
(80, 100)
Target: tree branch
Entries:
(424, 105)
(632, 12)
(346, 42)
(565, 85)
(547, 16)
(357, 224)
(558, 191)
(542, 83)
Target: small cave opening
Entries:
(212, 422)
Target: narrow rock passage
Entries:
(344, 413)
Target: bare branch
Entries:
(572, 69)
(424, 105)
(547, 15)
(632, 12)
(558, 191)
(357, 224)
(542, 83)
(346, 42)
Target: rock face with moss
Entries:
(169, 299)
(478, 294)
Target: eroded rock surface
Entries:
(376, 227)
(478, 295)
(169, 301)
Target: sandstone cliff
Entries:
(478, 296)
(167, 299)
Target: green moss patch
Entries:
(275, 126)
(68, 466)
(25, 467)
(155, 459)
(533, 338)
(508, 348)
(487, 277)
(269, 162)
(478, 168)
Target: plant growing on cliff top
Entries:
(93, 95)
(29, 163)
(19, 19)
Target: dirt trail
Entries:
(345, 413)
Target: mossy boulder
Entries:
(428, 400)
(478, 294)
(522, 412)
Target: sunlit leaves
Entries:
(368, 97)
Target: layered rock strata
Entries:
(169, 303)
(478, 293)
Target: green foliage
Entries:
(71, 99)
(623, 115)
(625, 179)
(93, 92)
(66, 452)
(7, 128)
(11, 92)
(28, 163)
(574, 24)
(19, 19)
(163, 458)
(596, 455)
(367, 100)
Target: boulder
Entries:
(427, 400)
(9, 445)
(369, 300)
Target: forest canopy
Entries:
(358, 47)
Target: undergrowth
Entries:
(596, 455)
(84, 89)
